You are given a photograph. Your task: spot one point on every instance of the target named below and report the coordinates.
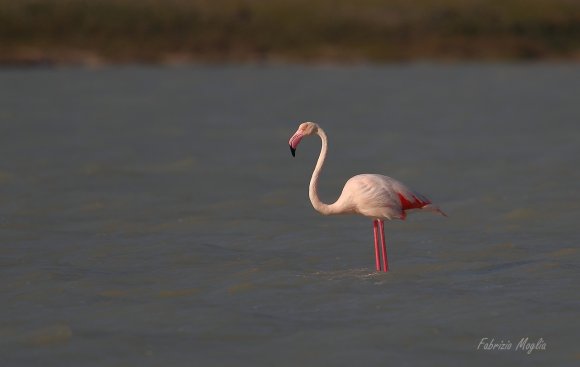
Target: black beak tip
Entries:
(293, 151)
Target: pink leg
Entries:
(375, 227)
(384, 247)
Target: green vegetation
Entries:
(69, 31)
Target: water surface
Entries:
(154, 216)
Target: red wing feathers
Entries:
(414, 203)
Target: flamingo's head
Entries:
(305, 129)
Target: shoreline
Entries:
(78, 58)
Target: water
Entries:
(155, 216)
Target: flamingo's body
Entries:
(375, 196)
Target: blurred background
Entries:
(178, 31)
(151, 213)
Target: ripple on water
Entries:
(49, 335)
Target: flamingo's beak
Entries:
(294, 141)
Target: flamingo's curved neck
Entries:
(313, 188)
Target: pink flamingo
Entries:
(375, 196)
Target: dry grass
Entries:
(287, 30)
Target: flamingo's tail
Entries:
(434, 208)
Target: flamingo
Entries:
(371, 195)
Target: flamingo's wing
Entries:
(381, 196)
(413, 200)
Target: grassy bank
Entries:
(70, 31)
